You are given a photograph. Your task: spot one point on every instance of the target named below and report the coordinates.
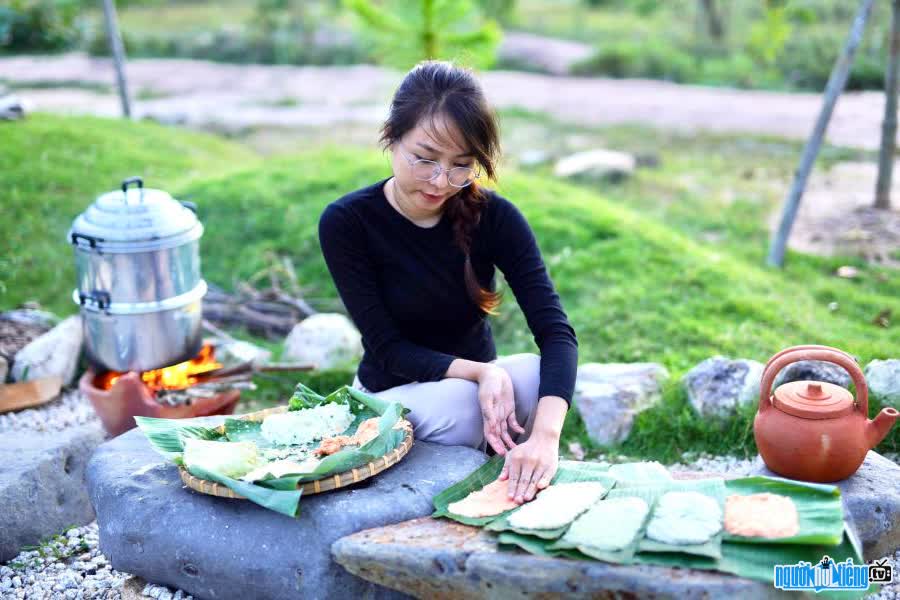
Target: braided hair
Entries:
(435, 89)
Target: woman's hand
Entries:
(531, 465)
(498, 407)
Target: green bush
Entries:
(657, 60)
(807, 61)
(234, 45)
(38, 25)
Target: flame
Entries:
(175, 377)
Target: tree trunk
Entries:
(836, 83)
(118, 53)
(889, 126)
(714, 25)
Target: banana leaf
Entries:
(623, 555)
(281, 494)
(166, 435)
(476, 480)
(537, 546)
(818, 508)
(568, 471)
(241, 430)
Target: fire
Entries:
(175, 377)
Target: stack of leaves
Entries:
(279, 491)
(646, 517)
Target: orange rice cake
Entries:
(761, 515)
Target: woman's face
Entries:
(438, 140)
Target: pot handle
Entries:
(130, 181)
(812, 352)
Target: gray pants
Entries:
(447, 411)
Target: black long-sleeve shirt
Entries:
(404, 288)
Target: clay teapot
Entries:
(815, 430)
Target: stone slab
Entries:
(437, 558)
(153, 527)
(871, 499)
(42, 484)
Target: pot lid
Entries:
(134, 214)
(813, 399)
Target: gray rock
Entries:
(609, 396)
(543, 54)
(871, 503)
(718, 385)
(12, 108)
(814, 370)
(533, 157)
(54, 354)
(239, 351)
(153, 527)
(4, 369)
(327, 340)
(436, 558)
(598, 163)
(883, 378)
(31, 316)
(42, 485)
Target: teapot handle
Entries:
(812, 352)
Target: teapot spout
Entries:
(878, 428)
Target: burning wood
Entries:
(175, 377)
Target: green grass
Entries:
(52, 168)
(631, 262)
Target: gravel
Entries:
(71, 409)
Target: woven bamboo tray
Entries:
(325, 484)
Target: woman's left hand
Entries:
(531, 465)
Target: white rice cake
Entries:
(640, 472)
(306, 425)
(683, 518)
(557, 505)
(610, 524)
(280, 468)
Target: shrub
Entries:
(35, 25)
(657, 60)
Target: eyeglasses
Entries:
(426, 170)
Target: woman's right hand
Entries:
(498, 407)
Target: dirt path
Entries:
(205, 94)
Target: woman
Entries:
(413, 258)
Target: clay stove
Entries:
(188, 389)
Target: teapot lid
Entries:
(813, 399)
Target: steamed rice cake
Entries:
(489, 501)
(761, 515)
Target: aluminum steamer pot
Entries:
(139, 285)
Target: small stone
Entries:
(6, 583)
(883, 379)
(54, 354)
(326, 340)
(718, 385)
(609, 396)
(599, 163)
(179, 595)
(165, 594)
(17, 581)
(814, 370)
